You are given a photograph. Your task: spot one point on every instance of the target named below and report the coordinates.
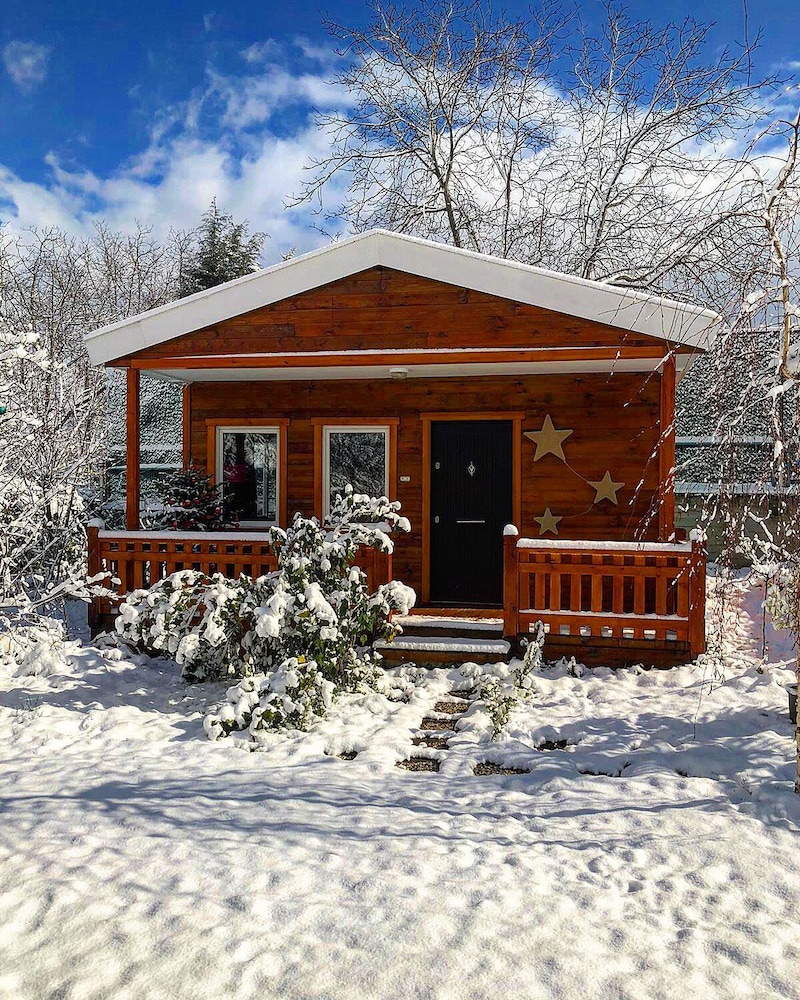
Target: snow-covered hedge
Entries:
(309, 628)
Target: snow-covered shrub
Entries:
(205, 623)
(500, 688)
(310, 626)
(783, 598)
(32, 644)
(498, 699)
(532, 659)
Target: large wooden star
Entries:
(548, 440)
(606, 488)
(548, 522)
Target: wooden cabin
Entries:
(523, 418)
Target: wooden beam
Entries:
(358, 359)
(666, 452)
(133, 451)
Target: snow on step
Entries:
(411, 622)
(446, 644)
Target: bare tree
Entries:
(459, 130)
(54, 287)
(642, 189)
(450, 104)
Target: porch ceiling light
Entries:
(398, 373)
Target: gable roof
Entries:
(665, 319)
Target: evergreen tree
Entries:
(192, 503)
(224, 251)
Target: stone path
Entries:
(438, 728)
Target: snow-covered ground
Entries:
(655, 856)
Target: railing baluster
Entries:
(651, 592)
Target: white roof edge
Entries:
(628, 309)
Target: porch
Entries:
(603, 602)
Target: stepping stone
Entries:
(418, 764)
(462, 693)
(552, 745)
(451, 707)
(348, 755)
(434, 742)
(488, 768)
(440, 725)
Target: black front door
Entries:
(471, 502)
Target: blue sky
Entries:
(146, 110)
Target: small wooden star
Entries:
(548, 522)
(606, 488)
(548, 440)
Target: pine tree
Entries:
(192, 503)
(224, 251)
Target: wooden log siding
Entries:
(391, 310)
(141, 558)
(623, 591)
(614, 416)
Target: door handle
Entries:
(470, 522)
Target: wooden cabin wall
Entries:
(389, 310)
(614, 418)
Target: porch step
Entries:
(443, 649)
(425, 626)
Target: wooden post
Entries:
(93, 564)
(510, 582)
(187, 424)
(132, 452)
(697, 600)
(666, 452)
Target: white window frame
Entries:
(277, 430)
(327, 430)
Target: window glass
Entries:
(358, 458)
(250, 475)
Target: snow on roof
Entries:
(628, 309)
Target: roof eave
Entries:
(631, 310)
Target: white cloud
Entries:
(26, 63)
(220, 142)
(262, 51)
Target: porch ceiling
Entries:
(414, 371)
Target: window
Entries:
(355, 455)
(247, 461)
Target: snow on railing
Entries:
(606, 590)
(140, 558)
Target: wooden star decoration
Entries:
(548, 440)
(548, 522)
(605, 488)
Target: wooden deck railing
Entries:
(141, 558)
(606, 590)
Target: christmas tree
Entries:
(192, 502)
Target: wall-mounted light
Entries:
(398, 373)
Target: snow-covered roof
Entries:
(628, 309)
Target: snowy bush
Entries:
(309, 627)
(32, 644)
(501, 688)
(783, 598)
